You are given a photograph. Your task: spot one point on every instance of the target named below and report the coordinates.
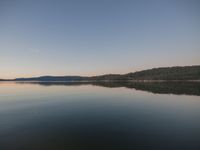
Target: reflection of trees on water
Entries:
(187, 88)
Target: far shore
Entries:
(91, 81)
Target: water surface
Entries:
(48, 116)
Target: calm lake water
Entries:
(72, 116)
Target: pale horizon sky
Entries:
(93, 37)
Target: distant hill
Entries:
(165, 73)
(52, 78)
(5, 80)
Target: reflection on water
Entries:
(187, 88)
(90, 116)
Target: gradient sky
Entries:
(91, 37)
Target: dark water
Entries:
(99, 116)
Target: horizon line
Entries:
(37, 76)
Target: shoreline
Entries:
(90, 81)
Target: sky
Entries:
(93, 37)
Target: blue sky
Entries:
(91, 37)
